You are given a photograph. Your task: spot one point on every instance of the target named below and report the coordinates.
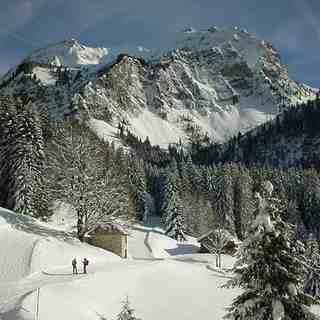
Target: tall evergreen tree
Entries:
(172, 215)
(243, 206)
(138, 186)
(312, 283)
(222, 201)
(22, 159)
(271, 269)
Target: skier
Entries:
(85, 264)
(74, 266)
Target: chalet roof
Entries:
(111, 228)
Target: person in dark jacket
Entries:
(74, 266)
(85, 264)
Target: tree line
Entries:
(43, 161)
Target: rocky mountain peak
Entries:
(70, 53)
(208, 83)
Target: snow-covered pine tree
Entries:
(191, 174)
(7, 128)
(222, 201)
(138, 186)
(196, 207)
(127, 313)
(29, 185)
(22, 159)
(309, 201)
(172, 215)
(243, 206)
(186, 192)
(154, 186)
(312, 283)
(270, 269)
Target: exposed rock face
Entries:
(218, 81)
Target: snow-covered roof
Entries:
(110, 228)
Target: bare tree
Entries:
(215, 243)
(82, 173)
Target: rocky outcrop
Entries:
(216, 81)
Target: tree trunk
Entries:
(80, 226)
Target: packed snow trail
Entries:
(11, 293)
(138, 244)
(151, 286)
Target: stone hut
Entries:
(112, 238)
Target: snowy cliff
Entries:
(217, 82)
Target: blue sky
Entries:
(293, 26)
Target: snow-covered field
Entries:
(163, 279)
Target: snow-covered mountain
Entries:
(218, 81)
(69, 53)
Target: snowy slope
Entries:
(27, 249)
(156, 289)
(68, 53)
(42, 260)
(179, 286)
(104, 131)
(160, 132)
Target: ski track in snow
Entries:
(138, 246)
(20, 278)
(25, 268)
(12, 293)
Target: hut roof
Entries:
(111, 228)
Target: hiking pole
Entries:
(38, 300)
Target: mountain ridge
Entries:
(214, 82)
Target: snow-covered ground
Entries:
(29, 251)
(104, 131)
(44, 75)
(163, 279)
(158, 279)
(160, 132)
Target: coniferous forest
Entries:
(193, 190)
